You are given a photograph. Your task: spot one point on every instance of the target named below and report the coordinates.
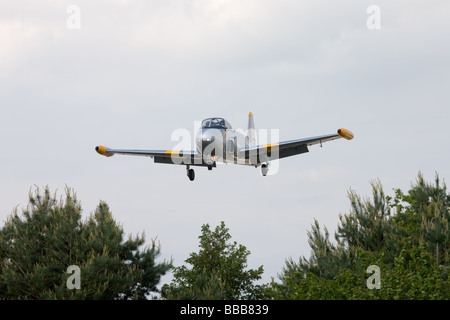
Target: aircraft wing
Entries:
(182, 157)
(273, 151)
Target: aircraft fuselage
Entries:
(217, 141)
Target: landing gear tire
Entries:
(191, 174)
(264, 169)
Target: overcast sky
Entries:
(126, 74)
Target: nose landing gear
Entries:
(190, 173)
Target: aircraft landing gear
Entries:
(190, 173)
(264, 169)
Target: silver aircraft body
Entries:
(217, 142)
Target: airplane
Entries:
(217, 142)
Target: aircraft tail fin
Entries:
(251, 131)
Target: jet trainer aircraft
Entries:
(217, 142)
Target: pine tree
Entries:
(423, 215)
(407, 237)
(39, 249)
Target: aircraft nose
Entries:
(208, 138)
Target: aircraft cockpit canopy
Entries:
(219, 123)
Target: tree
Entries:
(39, 250)
(423, 215)
(218, 271)
(406, 237)
(413, 276)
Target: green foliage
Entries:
(424, 215)
(206, 285)
(367, 226)
(414, 276)
(218, 271)
(407, 237)
(37, 248)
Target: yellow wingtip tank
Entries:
(103, 151)
(345, 133)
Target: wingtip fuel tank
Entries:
(345, 133)
(103, 151)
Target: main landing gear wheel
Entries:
(190, 174)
